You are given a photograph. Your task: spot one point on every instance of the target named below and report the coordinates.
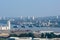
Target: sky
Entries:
(15, 8)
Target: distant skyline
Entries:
(41, 8)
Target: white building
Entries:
(33, 17)
(57, 17)
(21, 38)
(6, 27)
(57, 33)
(36, 39)
(46, 31)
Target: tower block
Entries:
(9, 25)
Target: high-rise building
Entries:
(9, 26)
(57, 17)
(33, 17)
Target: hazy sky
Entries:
(14, 8)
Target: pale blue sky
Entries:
(14, 8)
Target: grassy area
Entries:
(2, 38)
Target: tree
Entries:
(13, 35)
(42, 35)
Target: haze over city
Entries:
(15, 8)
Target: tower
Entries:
(49, 23)
(9, 25)
(21, 17)
(28, 17)
(57, 17)
(33, 17)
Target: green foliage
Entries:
(2, 38)
(13, 35)
(42, 35)
(49, 35)
(27, 35)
